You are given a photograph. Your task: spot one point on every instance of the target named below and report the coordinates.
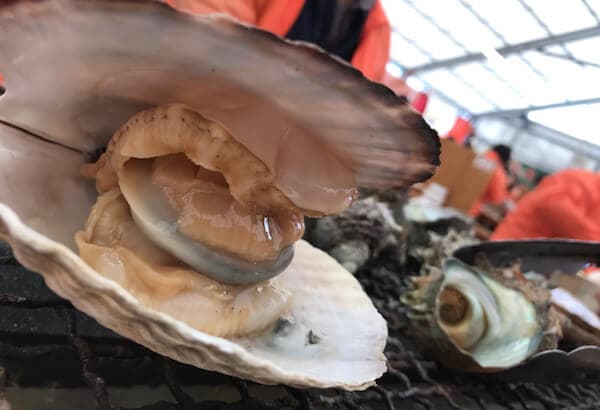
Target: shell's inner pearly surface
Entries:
(477, 322)
(497, 326)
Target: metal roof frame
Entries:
(509, 49)
(569, 57)
(439, 93)
(518, 112)
(549, 67)
(591, 11)
(566, 141)
(575, 145)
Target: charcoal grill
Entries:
(54, 357)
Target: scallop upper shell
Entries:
(76, 70)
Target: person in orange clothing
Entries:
(496, 190)
(563, 205)
(357, 31)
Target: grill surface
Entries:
(53, 352)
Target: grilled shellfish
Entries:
(473, 321)
(152, 268)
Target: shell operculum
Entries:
(474, 321)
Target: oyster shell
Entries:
(359, 233)
(471, 321)
(290, 102)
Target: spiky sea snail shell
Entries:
(473, 321)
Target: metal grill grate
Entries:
(45, 343)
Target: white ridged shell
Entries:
(52, 203)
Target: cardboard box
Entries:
(463, 173)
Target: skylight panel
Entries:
(509, 18)
(562, 16)
(579, 121)
(460, 23)
(453, 87)
(405, 53)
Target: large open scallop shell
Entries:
(77, 69)
(40, 181)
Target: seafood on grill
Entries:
(478, 321)
(219, 138)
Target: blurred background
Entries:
(525, 73)
(520, 74)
